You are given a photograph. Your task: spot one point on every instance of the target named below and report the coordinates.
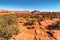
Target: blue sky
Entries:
(42, 5)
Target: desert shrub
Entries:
(9, 19)
(58, 23)
(44, 16)
(52, 16)
(7, 30)
(34, 16)
(37, 17)
(29, 22)
(40, 19)
(55, 25)
(24, 15)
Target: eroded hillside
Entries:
(25, 25)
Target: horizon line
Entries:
(28, 10)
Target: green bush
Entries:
(7, 30)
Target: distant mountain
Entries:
(36, 12)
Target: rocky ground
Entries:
(37, 31)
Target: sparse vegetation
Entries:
(7, 30)
(55, 26)
(29, 22)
